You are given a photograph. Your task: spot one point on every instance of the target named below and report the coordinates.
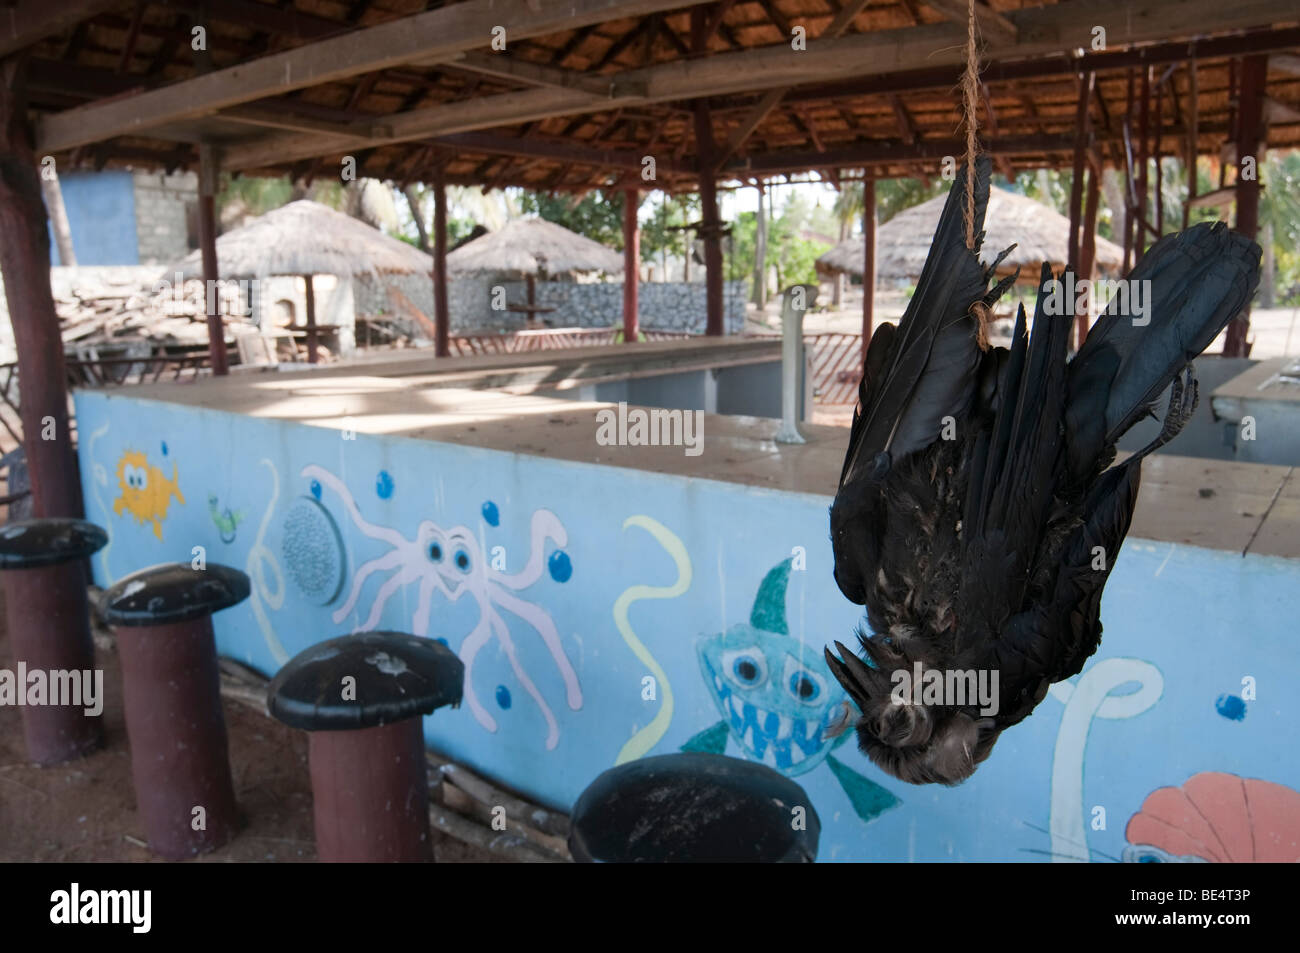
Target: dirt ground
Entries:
(85, 810)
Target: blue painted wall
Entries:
(101, 215)
(548, 561)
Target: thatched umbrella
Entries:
(1039, 233)
(306, 238)
(531, 247)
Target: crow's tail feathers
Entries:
(1186, 289)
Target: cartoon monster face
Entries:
(776, 695)
(453, 554)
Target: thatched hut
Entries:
(305, 238)
(534, 247)
(1039, 233)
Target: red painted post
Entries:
(868, 261)
(1250, 144)
(25, 262)
(1081, 116)
(441, 316)
(1144, 133)
(208, 248)
(631, 265)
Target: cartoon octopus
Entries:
(450, 561)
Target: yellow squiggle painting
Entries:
(650, 735)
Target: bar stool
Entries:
(360, 697)
(48, 617)
(180, 764)
(693, 806)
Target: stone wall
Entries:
(163, 204)
(667, 306)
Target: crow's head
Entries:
(915, 742)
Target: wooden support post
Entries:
(760, 251)
(868, 261)
(1250, 145)
(1157, 121)
(25, 263)
(441, 317)
(1144, 153)
(1088, 247)
(312, 337)
(208, 248)
(1080, 153)
(711, 228)
(1130, 187)
(631, 265)
(1193, 135)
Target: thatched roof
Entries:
(307, 238)
(533, 246)
(1038, 231)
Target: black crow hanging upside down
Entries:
(978, 514)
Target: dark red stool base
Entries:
(370, 794)
(49, 628)
(177, 732)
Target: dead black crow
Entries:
(978, 513)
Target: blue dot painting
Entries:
(491, 514)
(384, 485)
(1231, 707)
(503, 697)
(560, 566)
(315, 488)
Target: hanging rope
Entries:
(970, 89)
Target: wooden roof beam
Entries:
(30, 21)
(504, 66)
(438, 35)
(777, 68)
(994, 27)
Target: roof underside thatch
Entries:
(580, 106)
(533, 246)
(307, 238)
(1039, 233)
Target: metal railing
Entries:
(547, 339)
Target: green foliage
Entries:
(597, 215)
(792, 255)
(657, 234)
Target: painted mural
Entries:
(607, 614)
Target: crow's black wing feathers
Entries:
(1192, 284)
(1010, 495)
(1050, 640)
(934, 356)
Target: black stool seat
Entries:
(398, 676)
(693, 807)
(30, 544)
(172, 592)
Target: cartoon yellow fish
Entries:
(146, 493)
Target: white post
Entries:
(796, 300)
